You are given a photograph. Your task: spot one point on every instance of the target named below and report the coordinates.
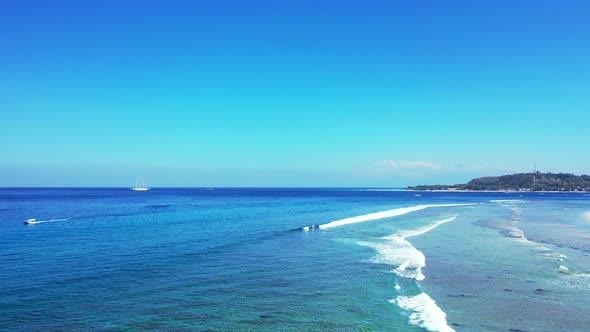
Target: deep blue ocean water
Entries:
(239, 260)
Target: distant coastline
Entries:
(451, 190)
(522, 182)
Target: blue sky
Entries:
(291, 93)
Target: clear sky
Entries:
(291, 93)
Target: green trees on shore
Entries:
(520, 182)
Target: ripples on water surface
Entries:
(238, 259)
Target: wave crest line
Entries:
(385, 214)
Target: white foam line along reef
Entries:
(426, 229)
(518, 233)
(425, 312)
(408, 261)
(399, 252)
(380, 215)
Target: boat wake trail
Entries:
(378, 215)
(34, 221)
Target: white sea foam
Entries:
(399, 252)
(407, 234)
(515, 232)
(574, 280)
(424, 312)
(507, 201)
(383, 214)
(546, 252)
(518, 233)
(541, 249)
(564, 269)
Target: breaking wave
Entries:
(379, 215)
(510, 229)
(425, 312)
(397, 251)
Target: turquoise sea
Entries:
(230, 259)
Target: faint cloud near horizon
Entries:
(402, 167)
(427, 168)
(409, 164)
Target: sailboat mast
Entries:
(140, 184)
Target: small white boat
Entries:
(140, 185)
(31, 221)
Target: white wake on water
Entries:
(34, 221)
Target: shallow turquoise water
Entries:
(238, 260)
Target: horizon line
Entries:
(206, 187)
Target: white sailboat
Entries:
(140, 185)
